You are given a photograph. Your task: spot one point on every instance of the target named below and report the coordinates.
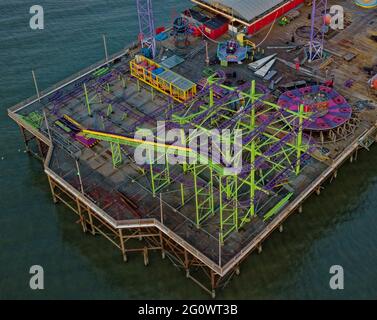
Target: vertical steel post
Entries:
(317, 32)
(196, 197)
(87, 100)
(252, 155)
(36, 85)
(105, 47)
(79, 175)
(299, 138)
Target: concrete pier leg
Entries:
(122, 245)
(25, 139)
(54, 198)
(146, 257)
(281, 228)
(238, 271)
(260, 248)
(163, 254)
(213, 285)
(300, 209)
(82, 219)
(93, 230)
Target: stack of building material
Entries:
(256, 65)
(262, 67)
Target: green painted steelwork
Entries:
(116, 154)
(35, 119)
(277, 207)
(234, 199)
(87, 100)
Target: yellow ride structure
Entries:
(162, 79)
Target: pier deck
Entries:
(117, 201)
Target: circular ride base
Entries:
(367, 4)
(237, 57)
(330, 113)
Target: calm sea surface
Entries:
(337, 228)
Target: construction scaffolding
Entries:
(270, 147)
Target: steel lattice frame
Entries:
(268, 159)
(274, 150)
(318, 27)
(146, 25)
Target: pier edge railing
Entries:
(78, 75)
